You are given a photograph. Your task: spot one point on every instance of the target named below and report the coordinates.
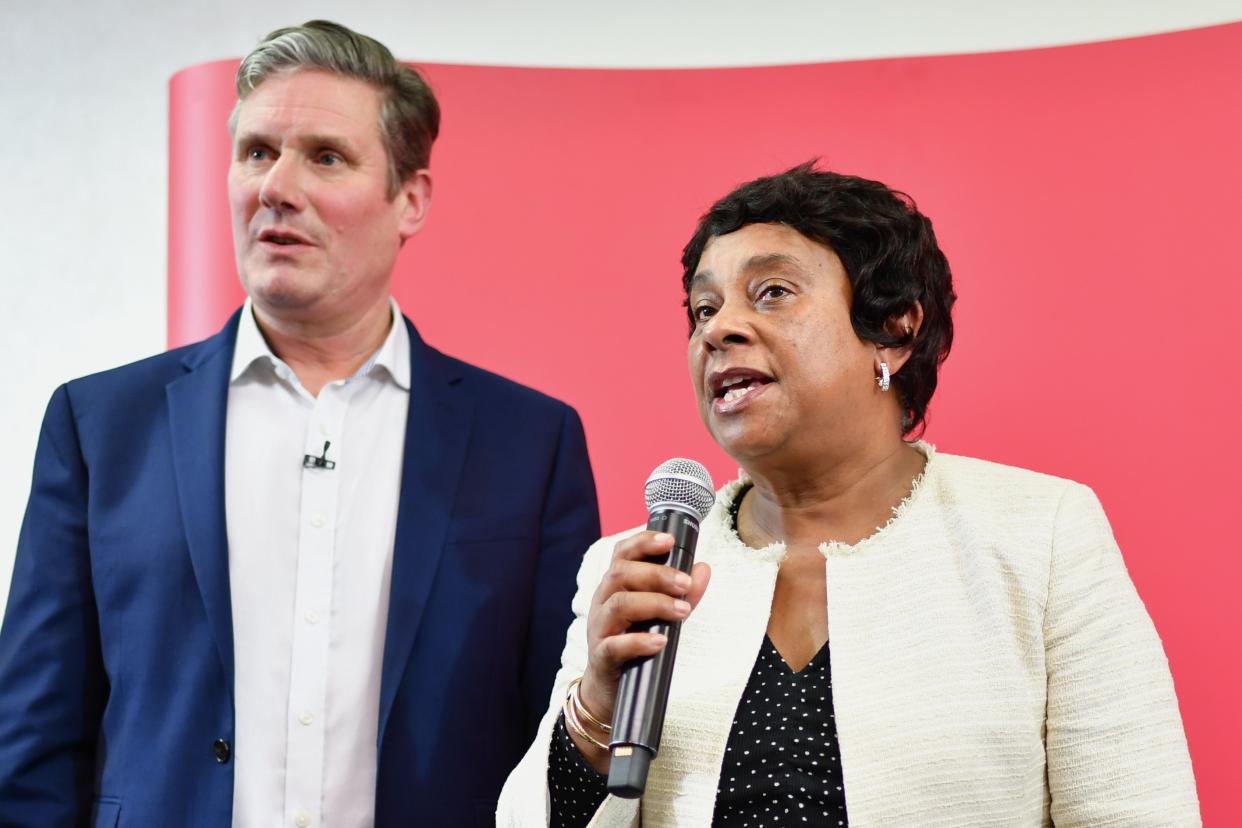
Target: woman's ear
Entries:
(905, 326)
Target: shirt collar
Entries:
(393, 356)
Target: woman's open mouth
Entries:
(734, 389)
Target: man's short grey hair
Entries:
(409, 113)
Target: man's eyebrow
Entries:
(322, 140)
(317, 140)
(250, 136)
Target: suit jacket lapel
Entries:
(197, 403)
(436, 433)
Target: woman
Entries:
(890, 636)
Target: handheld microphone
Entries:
(679, 495)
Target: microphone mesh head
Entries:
(681, 481)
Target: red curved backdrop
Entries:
(1087, 198)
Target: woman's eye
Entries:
(702, 313)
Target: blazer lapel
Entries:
(196, 409)
(436, 433)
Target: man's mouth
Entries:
(283, 238)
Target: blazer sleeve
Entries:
(52, 681)
(568, 525)
(524, 800)
(1116, 750)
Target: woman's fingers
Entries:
(635, 589)
(615, 650)
(624, 609)
(631, 571)
(642, 545)
(642, 576)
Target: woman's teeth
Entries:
(735, 392)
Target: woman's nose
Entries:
(727, 326)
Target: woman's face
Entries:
(776, 365)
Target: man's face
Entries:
(314, 230)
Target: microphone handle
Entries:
(642, 694)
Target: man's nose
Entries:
(281, 188)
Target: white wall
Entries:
(83, 94)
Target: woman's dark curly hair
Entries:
(887, 247)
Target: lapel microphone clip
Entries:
(310, 461)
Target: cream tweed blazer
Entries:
(992, 665)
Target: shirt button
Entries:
(317, 520)
(312, 617)
(306, 717)
(324, 430)
(301, 820)
(222, 751)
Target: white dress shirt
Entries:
(310, 560)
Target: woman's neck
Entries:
(844, 500)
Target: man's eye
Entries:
(329, 159)
(773, 292)
(257, 154)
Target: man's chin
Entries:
(280, 292)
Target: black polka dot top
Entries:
(782, 764)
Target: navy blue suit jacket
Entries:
(116, 655)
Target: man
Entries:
(309, 571)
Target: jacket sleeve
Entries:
(524, 801)
(52, 682)
(1116, 750)
(568, 525)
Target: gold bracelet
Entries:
(571, 719)
(575, 690)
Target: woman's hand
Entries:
(632, 590)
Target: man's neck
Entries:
(320, 354)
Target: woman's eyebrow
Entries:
(759, 261)
(771, 261)
(699, 278)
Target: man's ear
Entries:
(907, 326)
(414, 200)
